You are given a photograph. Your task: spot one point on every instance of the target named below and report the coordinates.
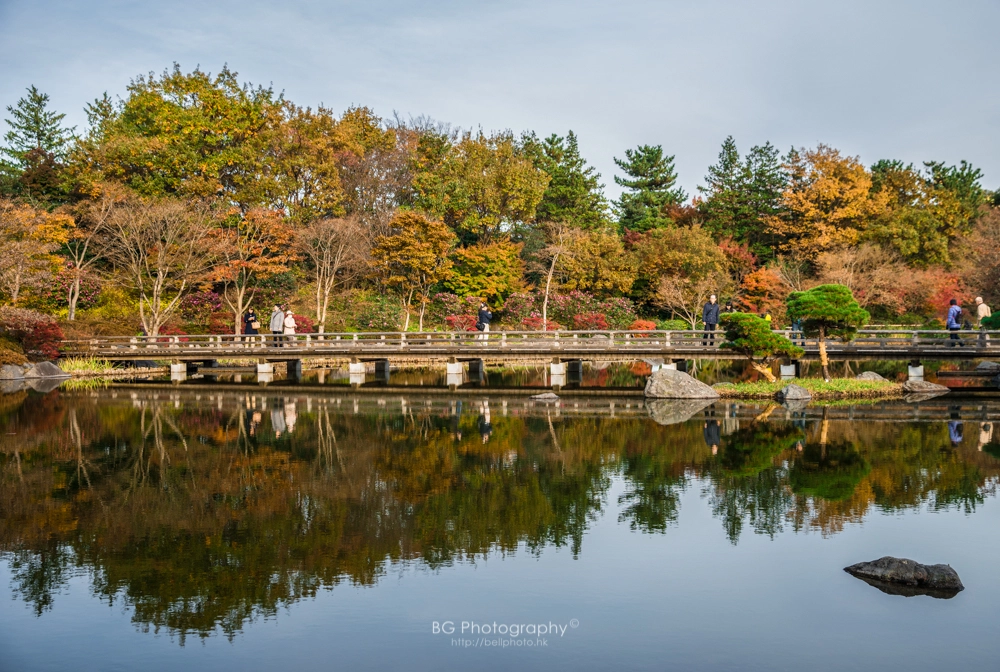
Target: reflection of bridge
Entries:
(519, 346)
(666, 411)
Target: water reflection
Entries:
(203, 510)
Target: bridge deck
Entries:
(522, 346)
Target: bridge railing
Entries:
(511, 340)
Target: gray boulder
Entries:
(988, 366)
(900, 576)
(11, 386)
(675, 411)
(546, 396)
(671, 384)
(869, 375)
(45, 370)
(793, 392)
(923, 387)
(11, 372)
(44, 385)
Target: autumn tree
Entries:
(827, 311)
(678, 269)
(560, 238)
(875, 276)
(251, 248)
(160, 247)
(84, 247)
(29, 237)
(597, 262)
(185, 134)
(764, 292)
(413, 258)
(337, 250)
(828, 202)
(492, 272)
(752, 337)
(36, 146)
(485, 189)
(650, 188)
(574, 193)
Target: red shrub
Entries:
(303, 325)
(590, 322)
(461, 322)
(534, 323)
(38, 334)
(642, 325)
(171, 330)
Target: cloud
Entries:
(896, 79)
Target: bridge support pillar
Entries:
(681, 365)
(455, 368)
(915, 370)
(789, 371)
(293, 368)
(382, 370)
(356, 367)
(178, 372)
(477, 370)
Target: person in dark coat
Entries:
(710, 430)
(710, 316)
(483, 320)
(249, 320)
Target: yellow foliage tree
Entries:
(828, 203)
(29, 238)
(413, 258)
(597, 263)
(492, 271)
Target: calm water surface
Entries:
(233, 528)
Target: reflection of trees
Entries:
(747, 487)
(199, 518)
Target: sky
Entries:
(901, 79)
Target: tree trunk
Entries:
(406, 311)
(763, 370)
(423, 307)
(74, 297)
(823, 359)
(545, 301)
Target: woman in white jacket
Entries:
(289, 326)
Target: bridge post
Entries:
(454, 372)
(178, 372)
(788, 371)
(681, 365)
(265, 372)
(557, 374)
(915, 370)
(477, 370)
(293, 368)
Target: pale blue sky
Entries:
(903, 79)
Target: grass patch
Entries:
(838, 388)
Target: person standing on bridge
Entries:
(251, 324)
(954, 320)
(982, 312)
(277, 325)
(483, 320)
(710, 316)
(288, 327)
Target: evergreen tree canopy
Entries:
(751, 336)
(650, 185)
(575, 193)
(827, 310)
(33, 126)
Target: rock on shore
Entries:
(671, 384)
(36, 370)
(923, 387)
(793, 392)
(900, 576)
(868, 375)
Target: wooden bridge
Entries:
(521, 346)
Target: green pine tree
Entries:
(740, 195)
(36, 145)
(575, 193)
(650, 189)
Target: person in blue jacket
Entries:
(954, 320)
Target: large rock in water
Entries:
(988, 366)
(793, 392)
(868, 375)
(11, 372)
(45, 370)
(923, 387)
(900, 576)
(671, 384)
(675, 411)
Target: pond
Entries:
(231, 527)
